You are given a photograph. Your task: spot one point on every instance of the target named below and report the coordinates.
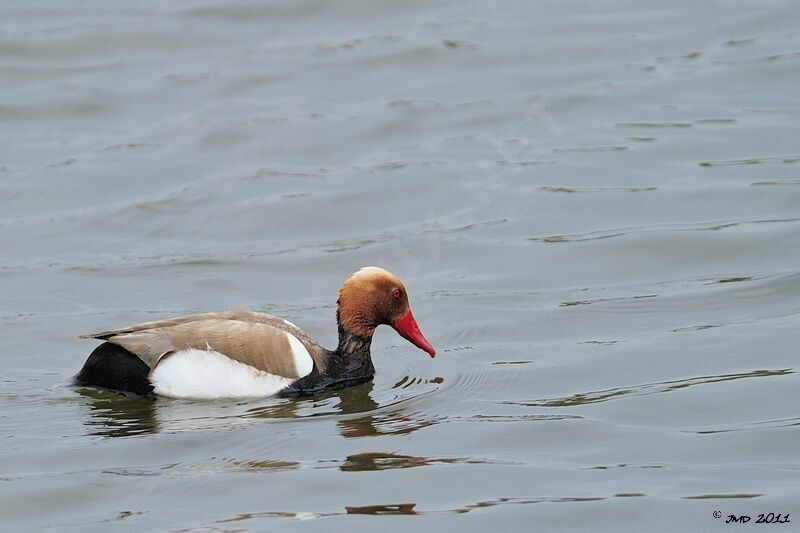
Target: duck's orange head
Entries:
(374, 296)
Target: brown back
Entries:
(256, 339)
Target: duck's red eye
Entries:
(396, 293)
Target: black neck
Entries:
(353, 346)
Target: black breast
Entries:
(340, 372)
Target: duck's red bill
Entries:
(408, 328)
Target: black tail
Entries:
(113, 367)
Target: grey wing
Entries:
(257, 339)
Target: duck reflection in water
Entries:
(114, 415)
(346, 405)
(393, 509)
(357, 413)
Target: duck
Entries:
(243, 354)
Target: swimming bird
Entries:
(241, 353)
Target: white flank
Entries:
(302, 359)
(206, 374)
(289, 323)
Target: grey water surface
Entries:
(595, 207)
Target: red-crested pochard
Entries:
(247, 354)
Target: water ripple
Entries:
(646, 389)
(672, 227)
(411, 508)
(597, 189)
(771, 160)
